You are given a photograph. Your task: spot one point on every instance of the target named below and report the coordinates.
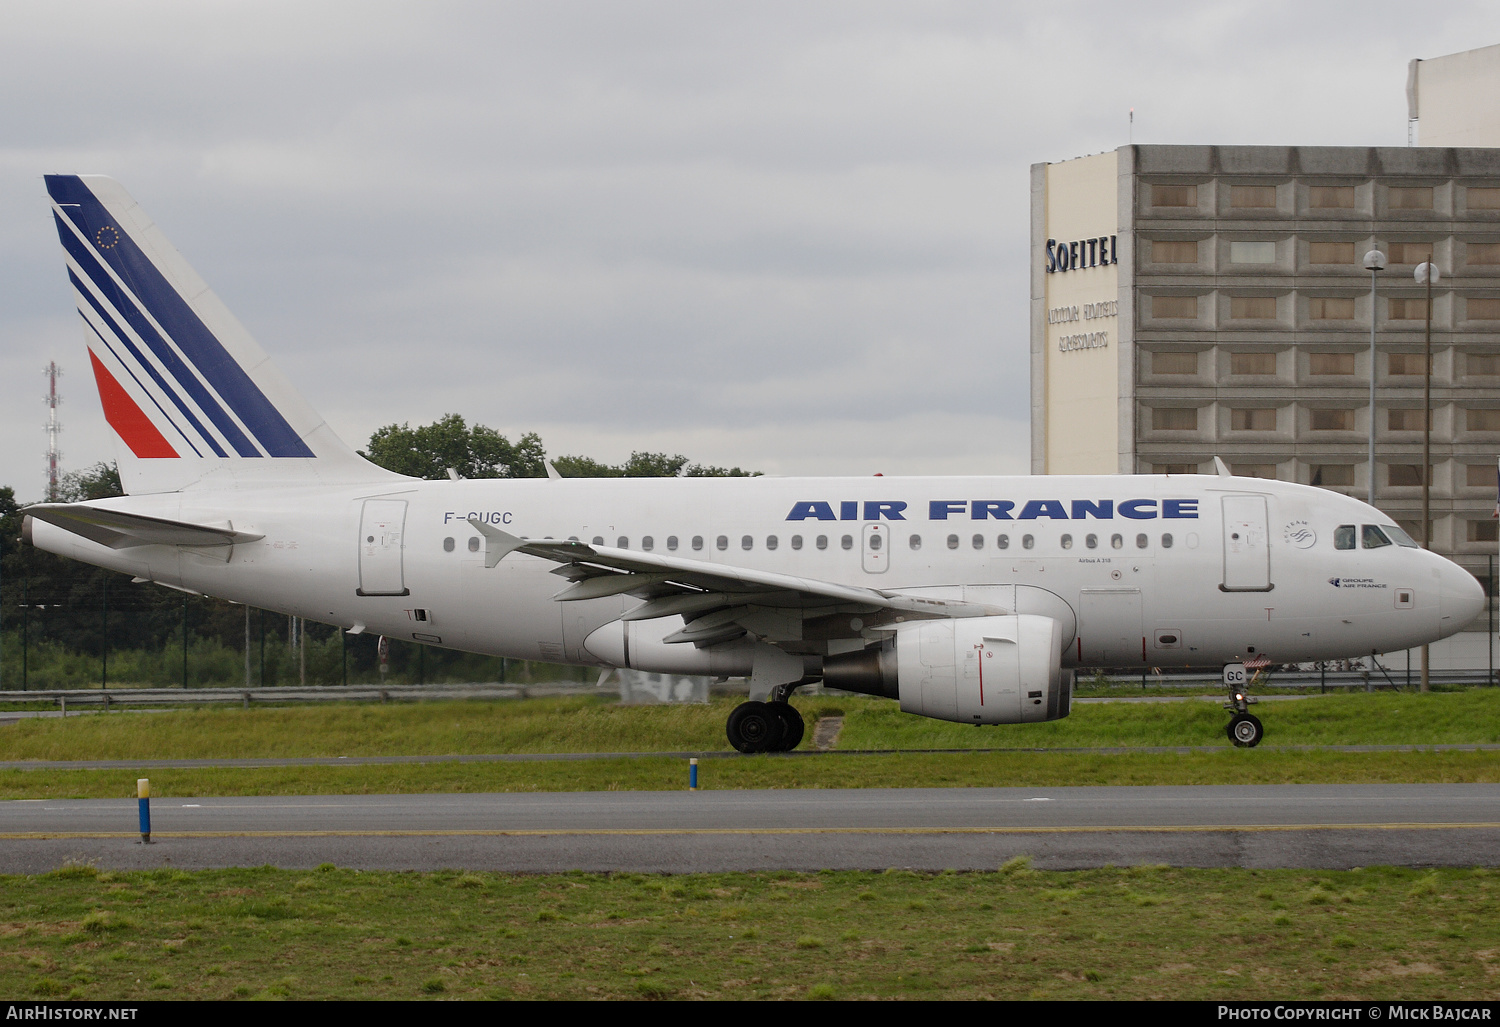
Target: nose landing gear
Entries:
(773, 726)
(1244, 728)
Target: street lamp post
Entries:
(1426, 273)
(1375, 261)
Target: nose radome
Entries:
(1460, 598)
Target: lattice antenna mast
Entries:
(54, 427)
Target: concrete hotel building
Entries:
(1189, 302)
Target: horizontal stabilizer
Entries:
(119, 530)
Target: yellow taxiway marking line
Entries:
(630, 831)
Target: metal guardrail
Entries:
(107, 697)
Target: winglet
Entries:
(497, 544)
(551, 471)
(1222, 468)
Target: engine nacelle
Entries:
(981, 670)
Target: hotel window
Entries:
(1332, 475)
(1330, 308)
(1410, 197)
(1404, 420)
(1254, 470)
(1480, 476)
(1482, 420)
(1484, 531)
(1175, 418)
(1253, 419)
(1481, 365)
(1330, 363)
(1479, 309)
(1252, 196)
(1405, 363)
(1399, 476)
(1408, 309)
(1174, 196)
(1331, 197)
(1174, 306)
(1330, 253)
(1174, 363)
(1483, 253)
(1408, 252)
(1484, 198)
(1261, 252)
(1261, 308)
(1330, 420)
(1252, 363)
(1174, 468)
(1174, 251)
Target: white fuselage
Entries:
(1156, 571)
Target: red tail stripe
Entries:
(126, 418)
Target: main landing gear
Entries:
(1244, 728)
(773, 726)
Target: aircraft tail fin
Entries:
(192, 398)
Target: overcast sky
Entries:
(789, 236)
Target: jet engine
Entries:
(981, 670)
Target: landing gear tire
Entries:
(792, 725)
(755, 727)
(1244, 730)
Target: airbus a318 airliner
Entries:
(968, 599)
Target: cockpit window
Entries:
(1399, 537)
(1374, 538)
(1343, 536)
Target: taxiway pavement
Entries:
(1312, 826)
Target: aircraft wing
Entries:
(714, 600)
(120, 530)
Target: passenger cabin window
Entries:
(952, 541)
(648, 543)
(1141, 541)
(977, 541)
(672, 543)
(448, 545)
(915, 541)
(875, 541)
(474, 544)
(847, 542)
(822, 542)
(796, 541)
(1117, 541)
(772, 541)
(1343, 536)
(1092, 541)
(598, 540)
(697, 542)
(1166, 541)
(1003, 542)
(1373, 537)
(623, 542)
(747, 542)
(722, 542)
(1027, 541)
(1067, 541)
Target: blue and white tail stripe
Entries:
(151, 329)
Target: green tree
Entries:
(644, 465)
(101, 481)
(429, 450)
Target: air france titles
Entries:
(1000, 510)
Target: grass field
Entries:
(1142, 933)
(582, 724)
(441, 729)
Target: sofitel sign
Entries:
(1071, 256)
